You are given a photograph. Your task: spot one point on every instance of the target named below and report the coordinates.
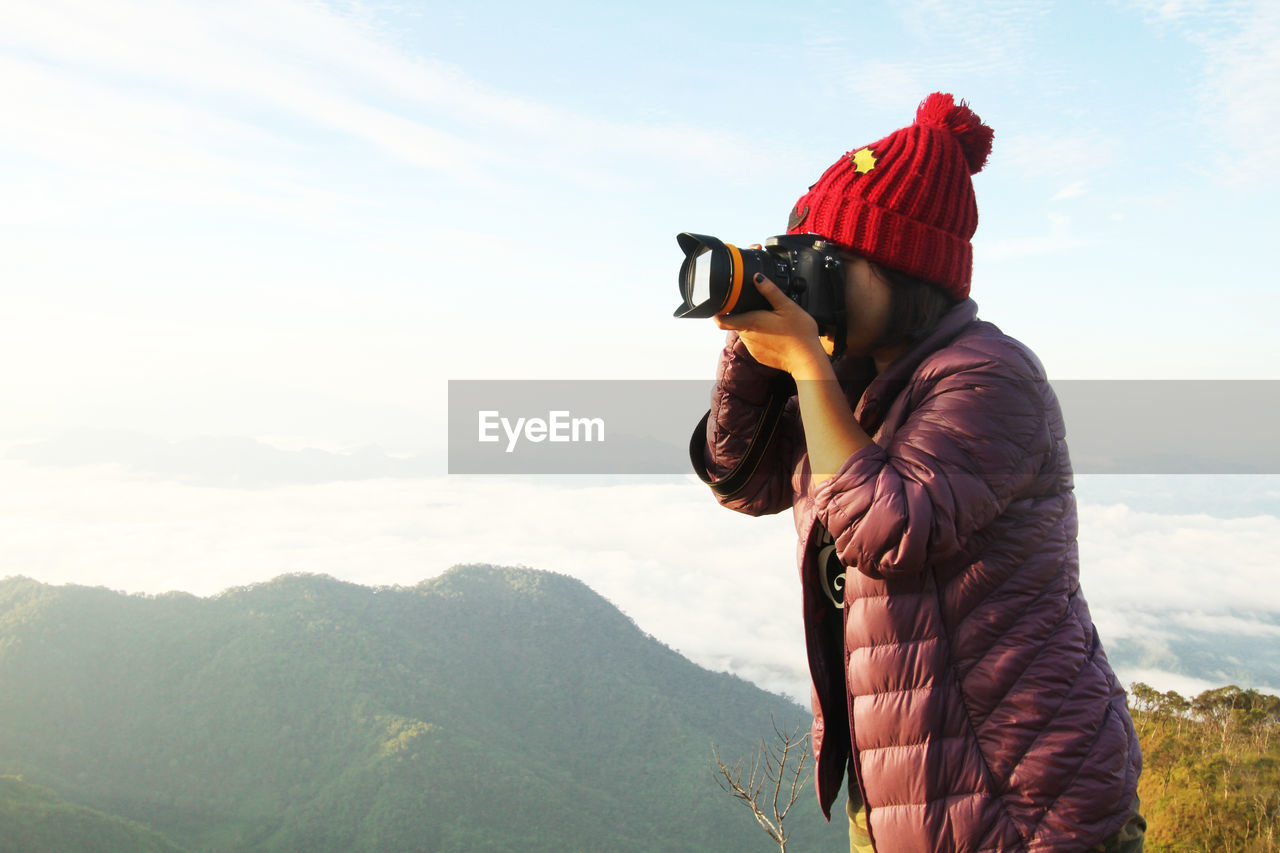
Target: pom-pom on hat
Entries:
(907, 201)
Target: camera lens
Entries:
(709, 279)
(701, 284)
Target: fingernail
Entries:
(759, 278)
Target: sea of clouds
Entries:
(1183, 599)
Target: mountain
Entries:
(487, 709)
(34, 818)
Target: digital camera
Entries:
(718, 277)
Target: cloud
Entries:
(176, 99)
(1185, 563)
(116, 145)
(1183, 597)
(887, 85)
(1218, 623)
(1051, 155)
(1195, 12)
(719, 587)
(1224, 496)
(1238, 97)
(716, 586)
(994, 34)
(294, 57)
(1164, 680)
(1076, 189)
(1060, 238)
(954, 44)
(222, 461)
(1241, 96)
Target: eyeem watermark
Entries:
(589, 426)
(559, 426)
(1112, 426)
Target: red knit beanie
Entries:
(907, 201)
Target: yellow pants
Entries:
(859, 838)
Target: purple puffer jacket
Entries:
(963, 681)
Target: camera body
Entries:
(717, 277)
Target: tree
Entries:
(781, 764)
(1211, 775)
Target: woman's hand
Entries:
(785, 337)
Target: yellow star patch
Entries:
(863, 160)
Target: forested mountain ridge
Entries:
(35, 819)
(1211, 772)
(487, 709)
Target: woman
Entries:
(956, 672)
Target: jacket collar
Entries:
(886, 386)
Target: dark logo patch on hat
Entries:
(798, 215)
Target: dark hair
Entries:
(915, 306)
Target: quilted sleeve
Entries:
(973, 440)
(745, 445)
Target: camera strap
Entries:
(780, 391)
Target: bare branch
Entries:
(782, 764)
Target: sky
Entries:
(285, 226)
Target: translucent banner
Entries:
(643, 426)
